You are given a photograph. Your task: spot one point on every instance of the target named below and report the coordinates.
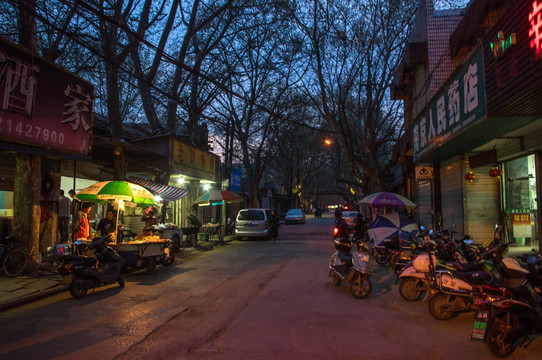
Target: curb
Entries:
(23, 300)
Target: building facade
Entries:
(474, 120)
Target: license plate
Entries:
(66, 279)
(480, 326)
(250, 225)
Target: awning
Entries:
(166, 192)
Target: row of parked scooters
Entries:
(457, 276)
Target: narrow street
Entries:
(244, 300)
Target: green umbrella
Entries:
(105, 191)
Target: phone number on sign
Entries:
(17, 128)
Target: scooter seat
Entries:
(477, 276)
(462, 267)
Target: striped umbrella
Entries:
(166, 192)
(218, 197)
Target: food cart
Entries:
(171, 232)
(146, 251)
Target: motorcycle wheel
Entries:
(77, 289)
(120, 281)
(360, 287)
(381, 257)
(435, 306)
(411, 289)
(495, 340)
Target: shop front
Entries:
(45, 117)
(482, 130)
(191, 169)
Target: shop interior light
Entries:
(206, 187)
(180, 181)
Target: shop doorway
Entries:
(520, 206)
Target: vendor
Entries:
(107, 224)
(80, 223)
(150, 219)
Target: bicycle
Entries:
(13, 257)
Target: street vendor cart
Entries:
(146, 251)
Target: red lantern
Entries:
(495, 172)
(470, 177)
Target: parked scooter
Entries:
(415, 279)
(351, 265)
(452, 291)
(510, 317)
(82, 273)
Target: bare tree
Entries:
(260, 62)
(353, 49)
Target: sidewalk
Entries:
(25, 289)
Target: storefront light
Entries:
(206, 187)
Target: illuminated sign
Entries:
(458, 105)
(194, 162)
(535, 18)
(502, 44)
(43, 105)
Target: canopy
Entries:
(387, 199)
(218, 197)
(166, 192)
(387, 226)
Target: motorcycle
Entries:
(84, 273)
(510, 317)
(452, 290)
(415, 279)
(351, 265)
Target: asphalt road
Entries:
(244, 300)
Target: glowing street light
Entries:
(328, 142)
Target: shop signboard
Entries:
(456, 107)
(191, 161)
(521, 223)
(424, 173)
(43, 105)
(235, 183)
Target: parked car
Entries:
(350, 217)
(253, 223)
(294, 216)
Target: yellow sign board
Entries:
(194, 162)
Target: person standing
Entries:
(76, 204)
(80, 223)
(274, 226)
(64, 206)
(107, 224)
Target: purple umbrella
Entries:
(387, 199)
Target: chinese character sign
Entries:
(43, 105)
(191, 161)
(458, 105)
(535, 20)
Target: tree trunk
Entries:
(26, 190)
(26, 206)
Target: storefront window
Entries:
(520, 200)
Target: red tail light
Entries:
(335, 230)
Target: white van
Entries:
(253, 223)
